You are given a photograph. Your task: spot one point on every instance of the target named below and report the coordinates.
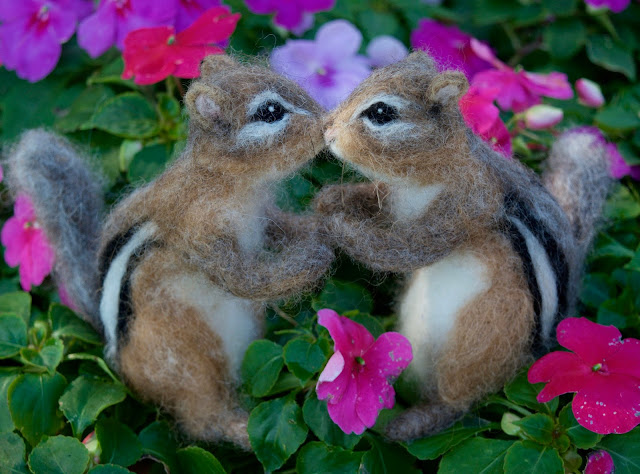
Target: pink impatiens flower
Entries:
(292, 15)
(448, 46)
(603, 369)
(32, 32)
(26, 245)
(615, 6)
(589, 93)
(540, 117)
(483, 117)
(329, 67)
(114, 19)
(519, 89)
(356, 380)
(599, 462)
(188, 11)
(152, 54)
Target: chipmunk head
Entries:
(401, 122)
(247, 119)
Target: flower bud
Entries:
(600, 462)
(589, 93)
(540, 117)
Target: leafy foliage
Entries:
(56, 391)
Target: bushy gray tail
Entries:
(68, 201)
(578, 176)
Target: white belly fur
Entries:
(233, 319)
(431, 303)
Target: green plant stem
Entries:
(284, 315)
(501, 401)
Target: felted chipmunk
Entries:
(183, 267)
(491, 259)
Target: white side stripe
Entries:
(110, 302)
(545, 276)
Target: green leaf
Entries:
(48, 357)
(112, 74)
(13, 335)
(596, 289)
(379, 23)
(527, 457)
(261, 366)
(12, 454)
(127, 115)
(369, 322)
(343, 297)
(119, 444)
(18, 303)
(580, 436)
(6, 423)
(604, 51)
(303, 358)
(85, 398)
(316, 458)
(66, 323)
(564, 37)
(33, 402)
(109, 469)
(624, 451)
(634, 264)
(385, 458)
(83, 108)
(276, 431)
(159, 442)
(475, 456)
(316, 416)
(537, 427)
(622, 205)
(616, 119)
(194, 460)
(148, 163)
(59, 455)
(560, 7)
(435, 446)
(520, 391)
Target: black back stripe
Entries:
(519, 243)
(557, 258)
(112, 250)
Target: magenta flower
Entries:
(356, 380)
(329, 67)
(615, 6)
(603, 369)
(589, 93)
(599, 462)
(292, 15)
(188, 11)
(26, 245)
(519, 89)
(540, 117)
(448, 46)
(112, 21)
(483, 117)
(384, 50)
(32, 32)
(619, 168)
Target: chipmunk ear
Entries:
(215, 63)
(203, 102)
(447, 88)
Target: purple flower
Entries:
(385, 50)
(293, 15)
(449, 47)
(189, 10)
(33, 31)
(615, 6)
(329, 67)
(115, 18)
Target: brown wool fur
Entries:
(218, 233)
(438, 196)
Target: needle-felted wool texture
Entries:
(186, 263)
(489, 257)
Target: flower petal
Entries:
(214, 25)
(14, 240)
(384, 50)
(591, 341)
(564, 371)
(344, 413)
(338, 39)
(97, 32)
(350, 338)
(389, 355)
(608, 404)
(626, 360)
(599, 462)
(333, 368)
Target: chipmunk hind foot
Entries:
(422, 420)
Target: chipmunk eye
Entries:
(381, 113)
(269, 112)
